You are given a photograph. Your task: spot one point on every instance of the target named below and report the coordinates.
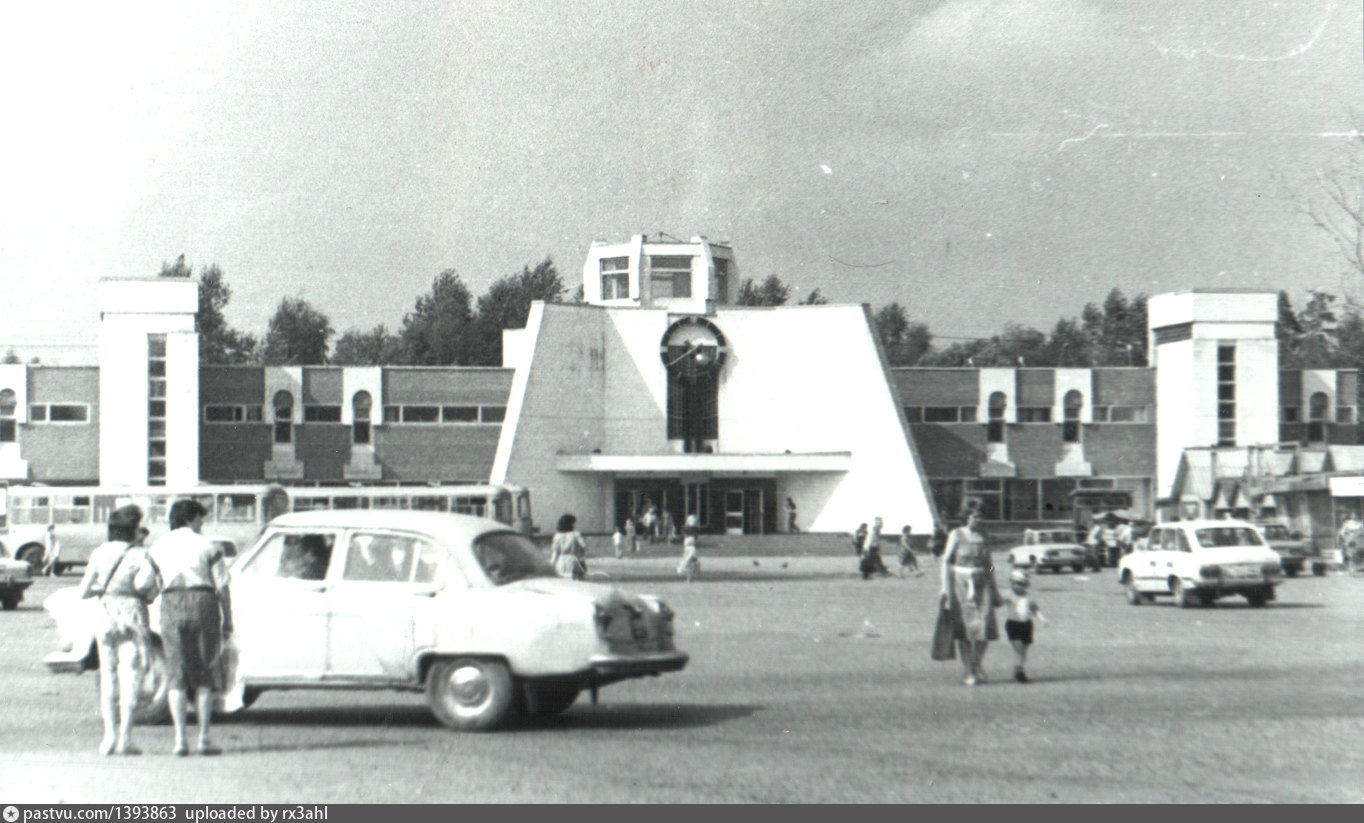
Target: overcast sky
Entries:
(980, 162)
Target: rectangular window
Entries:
(1290, 414)
(156, 368)
(615, 278)
(220, 414)
(322, 414)
(284, 431)
(968, 414)
(37, 414)
(1127, 414)
(156, 408)
(1226, 354)
(421, 414)
(1226, 374)
(940, 414)
(157, 448)
(1034, 414)
(494, 414)
(1226, 433)
(1226, 411)
(393, 414)
(721, 295)
(59, 413)
(914, 414)
(459, 414)
(8, 431)
(671, 276)
(1226, 391)
(360, 432)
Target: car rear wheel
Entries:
(1077, 568)
(1291, 571)
(11, 602)
(1319, 569)
(1182, 596)
(470, 694)
(33, 556)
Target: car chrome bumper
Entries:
(619, 667)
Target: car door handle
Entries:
(431, 593)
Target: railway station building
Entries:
(658, 387)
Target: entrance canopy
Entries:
(678, 464)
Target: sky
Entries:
(981, 162)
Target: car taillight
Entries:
(1210, 571)
(602, 618)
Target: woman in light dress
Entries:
(970, 595)
(568, 552)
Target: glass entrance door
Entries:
(734, 511)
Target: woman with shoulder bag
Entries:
(124, 578)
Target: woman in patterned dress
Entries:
(125, 580)
(970, 596)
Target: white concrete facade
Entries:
(1188, 331)
(712, 275)
(804, 397)
(130, 311)
(14, 378)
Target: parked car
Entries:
(1295, 552)
(465, 609)
(1052, 549)
(15, 578)
(1200, 561)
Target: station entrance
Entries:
(723, 505)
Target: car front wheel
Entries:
(1182, 596)
(1257, 600)
(470, 694)
(1134, 597)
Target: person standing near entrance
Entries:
(196, 616)
(690, 565)
(631, 535)
(791, 517)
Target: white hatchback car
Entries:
(460, 607)
(1199, 561)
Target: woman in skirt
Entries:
(970, 596)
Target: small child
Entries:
(618, 541)
(1018, 626)
(690, 565)
(907, 558)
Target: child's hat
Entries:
(1019, 576)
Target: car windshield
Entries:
(507, 557)
(1276, 532)
(1223, 536)
(1053, 537)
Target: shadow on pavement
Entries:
(583, 715)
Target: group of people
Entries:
(189, 575)
(867, 544)
(568, 549)
(967, 601)
(649, 523)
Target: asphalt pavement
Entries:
(807, 684)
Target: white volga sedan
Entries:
(462, 608)
(1197, 562)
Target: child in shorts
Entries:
(1018, 625)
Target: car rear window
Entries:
(507, 557)
(1223, 536)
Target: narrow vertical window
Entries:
(284, 417)
(9, 403)
(360, 406)
(1316, 417)
(1070, 428)
(156, 409)
(995, 428)
(1226, 395)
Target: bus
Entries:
(75, 518)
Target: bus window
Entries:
(205, 500)
(349, 503)
(467, 505)
(431, 504)
(68, 510)
(236, 508)
(310, 503)
(388, 503)
(33, 511)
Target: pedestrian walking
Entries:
(969, 595)
(906, 557)
(123, 578)
(52, 564)
(196, 617)
(690, 565)
(1018, 625)
(859, 538)
(618, 541)
(631, 535)
(871, 553)
(568, 551)
(650, 520)
(791, 517)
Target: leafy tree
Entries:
(1337, 208)
(11, 357)
(814, 298)
(905, 343)
(771, 292)
(176, 269)
(376, 347)
(507, 305)
(437, 330)
(1117, 330)
(218, 342)
(1069, 346)
(298, 335)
